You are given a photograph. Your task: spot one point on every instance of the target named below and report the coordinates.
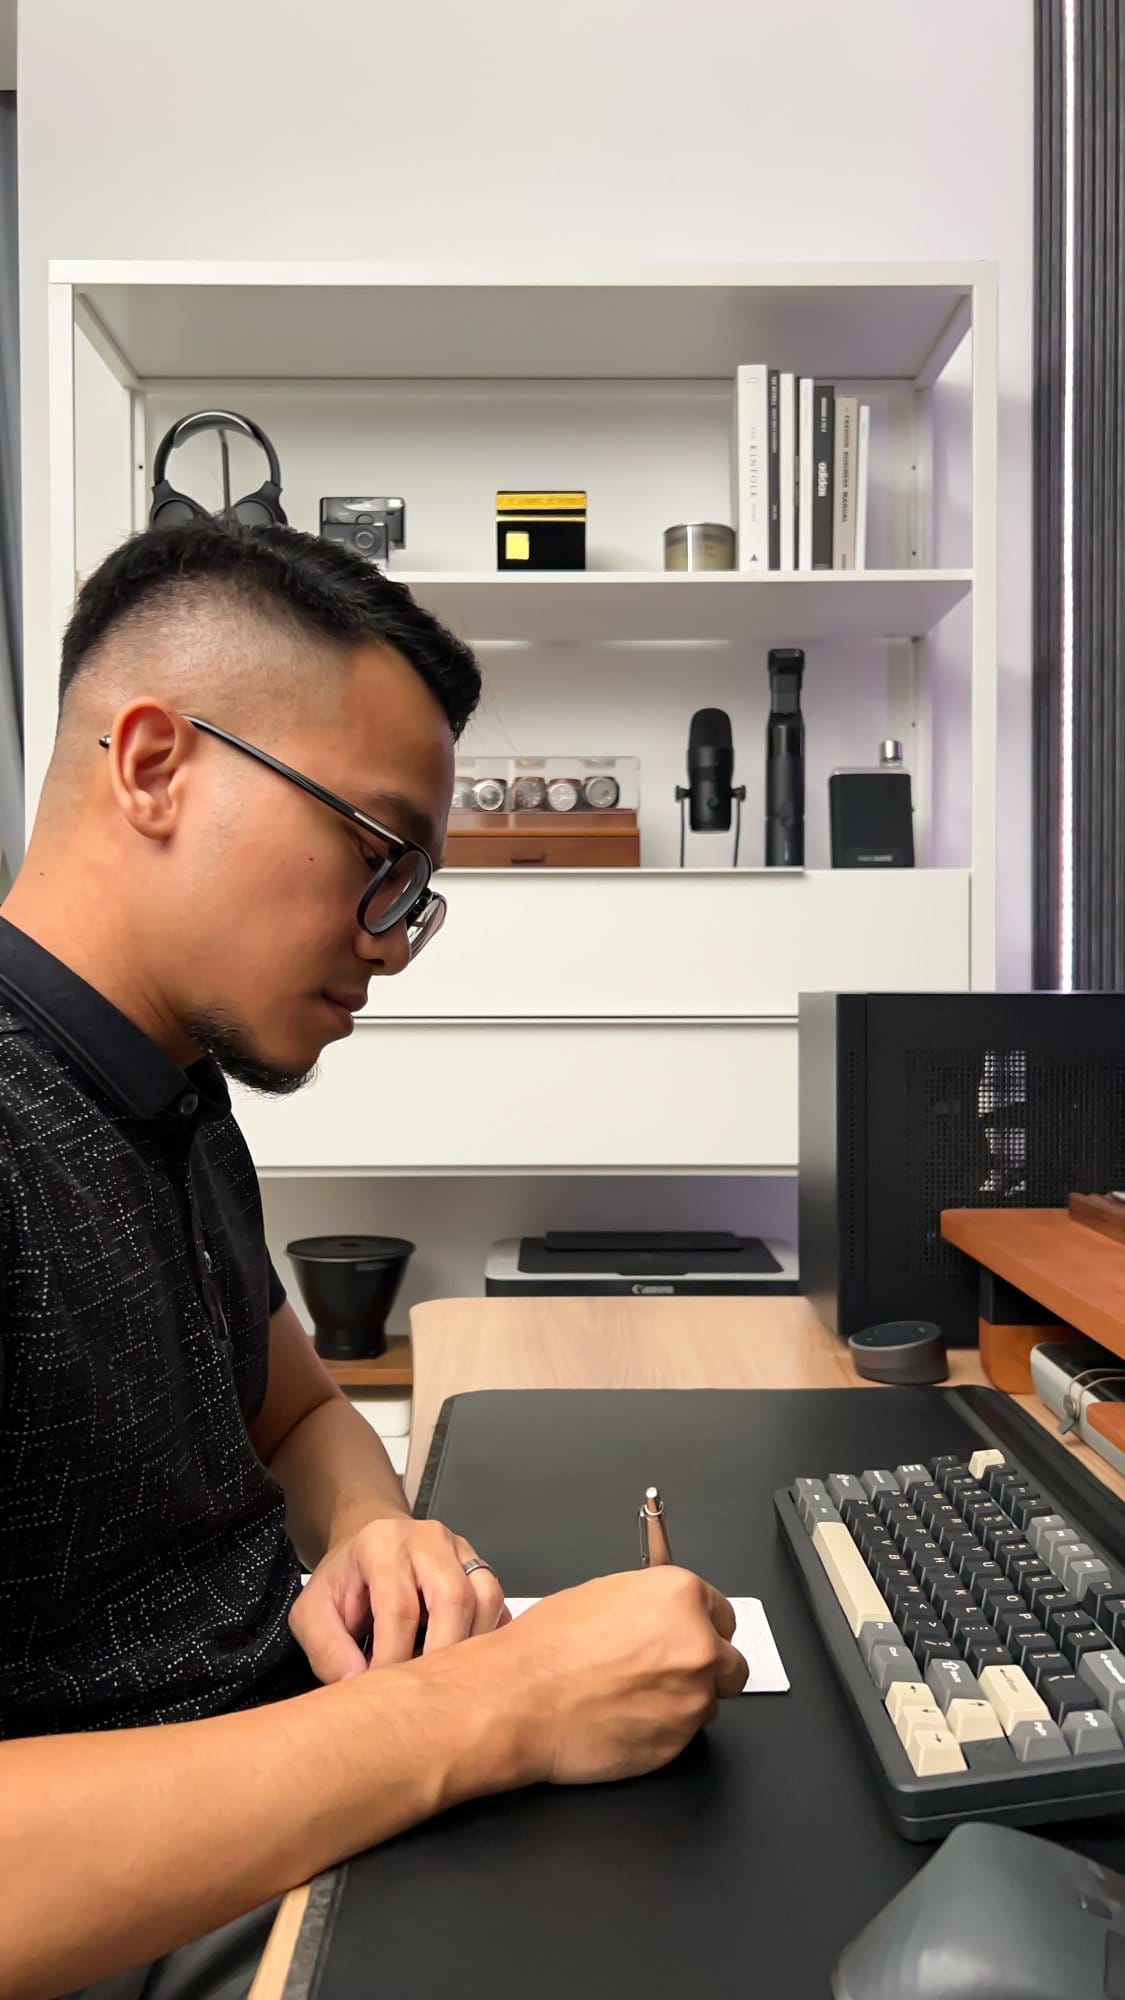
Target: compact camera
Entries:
(371, 526)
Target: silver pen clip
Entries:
(655, 1547)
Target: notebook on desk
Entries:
(748, 1863)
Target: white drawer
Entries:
(568, 1097)
(630, 944)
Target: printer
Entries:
(640, 1263)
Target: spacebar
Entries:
(855, 1587)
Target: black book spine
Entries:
(824, 453)
(775, 466)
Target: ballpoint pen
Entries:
(655, 1546)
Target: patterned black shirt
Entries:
(145, 1572)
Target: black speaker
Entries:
(871, 819)
(910, 1103)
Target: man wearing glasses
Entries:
(238, 831)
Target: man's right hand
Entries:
(614, 1678)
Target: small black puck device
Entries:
(906, 1351)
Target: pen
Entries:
(655, 1546)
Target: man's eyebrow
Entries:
(400, 815)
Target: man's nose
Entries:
(386, 954)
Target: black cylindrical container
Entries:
(349, 1284)
(785, 761)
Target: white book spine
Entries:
(805, 474)
(788, 481)
(861, 465)
(752, 466)
(843, 527)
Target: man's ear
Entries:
(149, 748)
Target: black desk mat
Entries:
(740, 1871)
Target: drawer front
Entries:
(497, 1097)
(535, 943)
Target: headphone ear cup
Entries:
(261, 509)
(170, 509)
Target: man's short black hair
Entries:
(315, 584)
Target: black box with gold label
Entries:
(540, 530)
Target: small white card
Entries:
(752, 1638)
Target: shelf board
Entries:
(654, 607)
(364, 322)
(392, 1370)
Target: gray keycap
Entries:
(878, 1482)
(909, 1476)
(1089, 1731)
(989, 1753)
(877, 1632)
(813, 1504)
(1032, 1742)
(1083, 1571)
(950, 1680)
(845, 1486)
(1051, 1543)
(1043, 1525)
(1105, 1674)
(1069, 1554)
(891, 1663)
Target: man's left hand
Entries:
(382, 1580)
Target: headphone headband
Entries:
(212, 420)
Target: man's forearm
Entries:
(183, 1827)
(336, 1476)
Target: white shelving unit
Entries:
(596, 1022)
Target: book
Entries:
(805, 473)
(787, 554)
(843, 498)
(861, 465)
(773, 384)
(824, 422)
(752, 466)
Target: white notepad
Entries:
(752, 1637)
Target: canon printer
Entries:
(704, 1263)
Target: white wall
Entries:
(737, 129)
(741, 129)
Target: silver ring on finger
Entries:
(477, 1562)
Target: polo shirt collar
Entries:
(124, 1063)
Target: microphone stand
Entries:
(738, 793)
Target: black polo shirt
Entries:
(145, 1572)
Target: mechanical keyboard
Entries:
(978, 1630)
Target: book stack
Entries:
(800, 472)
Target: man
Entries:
(248, 791)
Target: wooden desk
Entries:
(466, 1344)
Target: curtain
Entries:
(1078, 665)
(11, 620)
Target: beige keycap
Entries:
(914, 1717)
(981, 1459)
(933, 1752)
(909, 1694)
(972, 1721)
(1010, 1693)
(859, 1595)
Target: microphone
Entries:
(710, 767)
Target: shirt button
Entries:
(189, 1104)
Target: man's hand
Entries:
(380, 1581)
(619, 1674)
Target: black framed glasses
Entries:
(399, 890)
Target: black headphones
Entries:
(255, 510)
